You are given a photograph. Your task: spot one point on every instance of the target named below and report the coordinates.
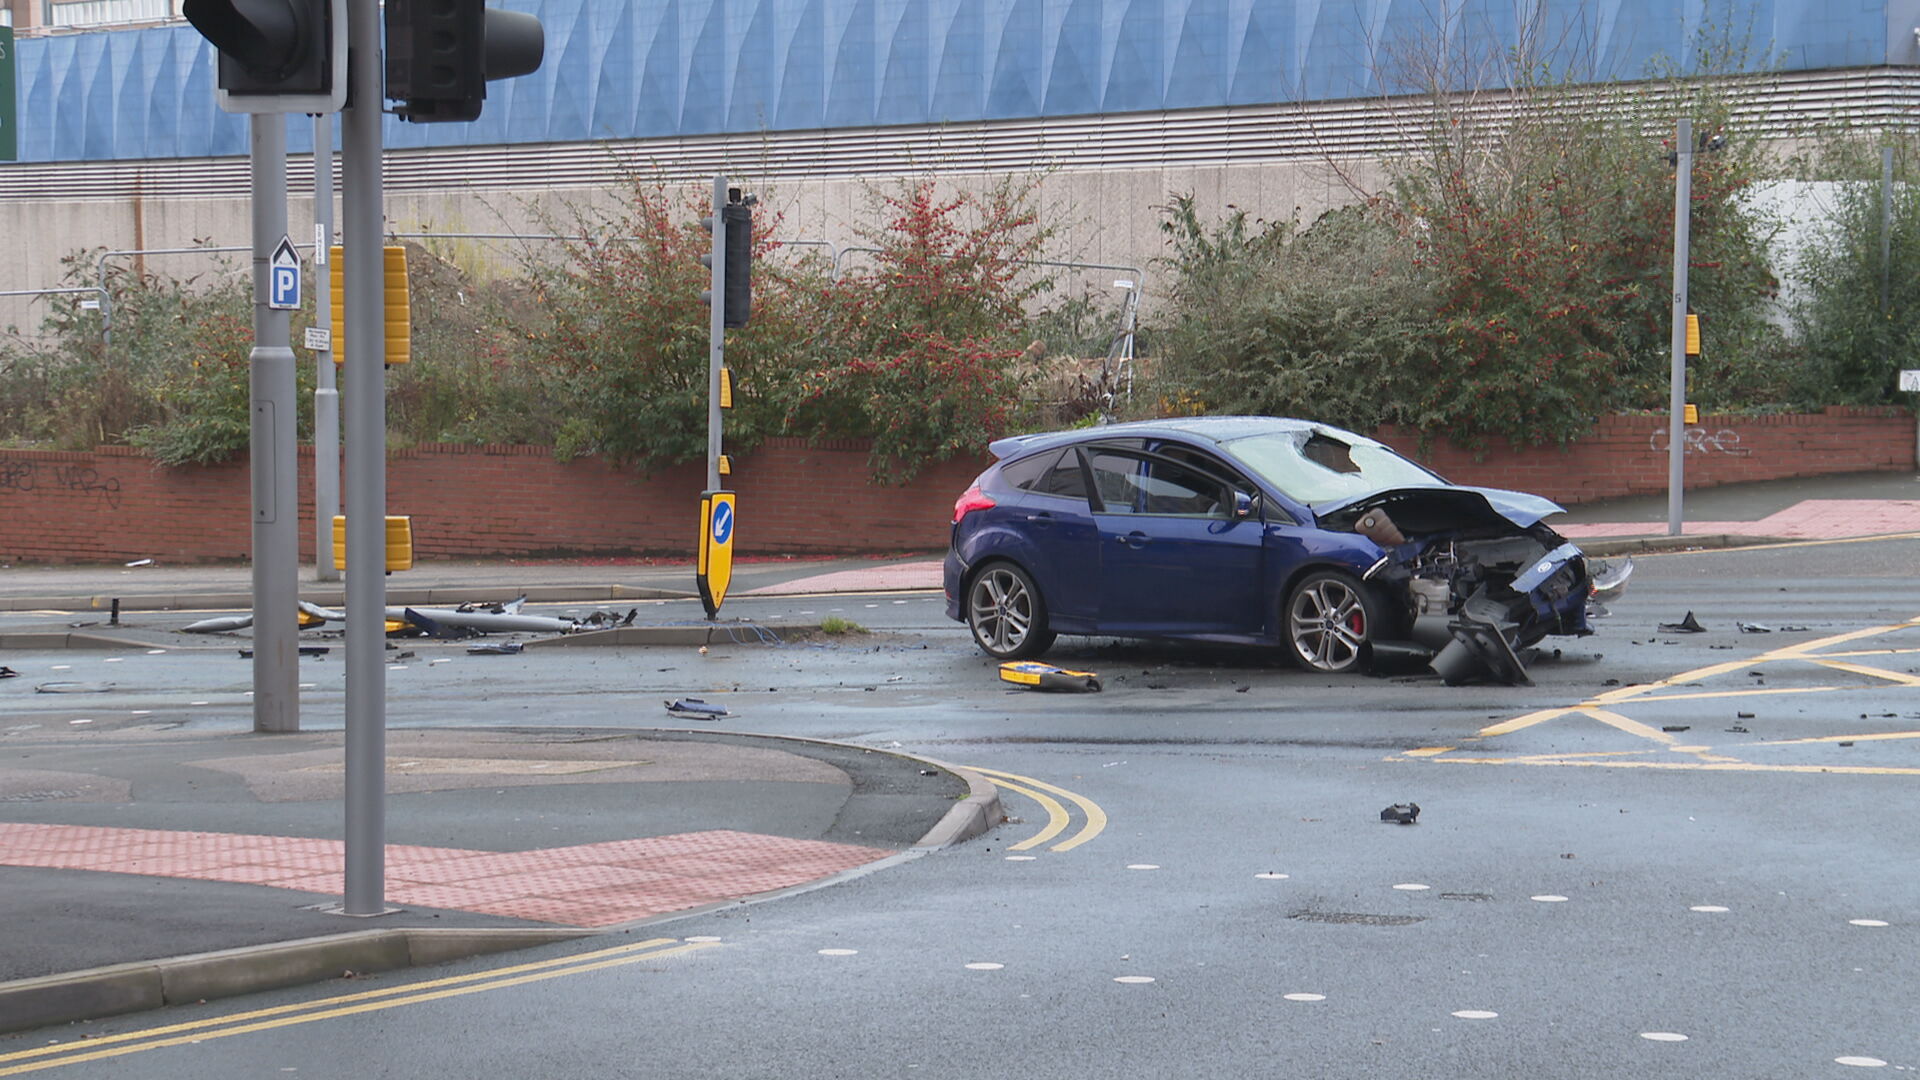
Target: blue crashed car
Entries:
(1260, 531)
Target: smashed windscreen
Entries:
(1316, 466)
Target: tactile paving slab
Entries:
(585, 885)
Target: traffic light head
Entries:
(441, 53)
(276, 55)
(739, 268)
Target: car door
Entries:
(1057, 521)
(1175, 555)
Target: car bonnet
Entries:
(1444, 506)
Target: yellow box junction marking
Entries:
(1057, 816)
(1599, 708)
(246, 1023)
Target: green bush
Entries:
(1855, 343)
(1272, 319)
(915, 347)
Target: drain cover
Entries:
(39, 796)
(1356, 919)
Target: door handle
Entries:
(1041, 518)
(1134, 539)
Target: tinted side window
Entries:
(1026, 472)
(1173, 488)
(1066, 479)
(1118, 478)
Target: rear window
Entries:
(1027, 471)
(1066, 479)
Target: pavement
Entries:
(142, 867)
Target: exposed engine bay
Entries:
(1475, 587)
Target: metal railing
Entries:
(101, 303)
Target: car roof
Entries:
(1217, 429)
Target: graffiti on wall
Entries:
(21, 477)
(1698, 440)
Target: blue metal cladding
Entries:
(623, 69)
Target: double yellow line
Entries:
(1057, 816)
(246, 1023)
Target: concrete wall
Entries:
(472, 502)
(1103, 216)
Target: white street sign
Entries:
(1910, 380)
(319, 339)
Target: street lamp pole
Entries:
(1677, 389)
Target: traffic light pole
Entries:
(326, 394)
(275, 413)
(717, 330)
(366, 476)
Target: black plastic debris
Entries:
(495, 648)
(8, 673)
(305, 650)
(1754, 628)
(1744, 715)
(1479, 649)
(1738, 729)
(1677, 727)
(1401, 813)
(1688, 625)
(434, 628)
(697, 709)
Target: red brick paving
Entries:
(1813, 519)
(584, 885)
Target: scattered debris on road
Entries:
(495, 648)
(305, 650)
(1031, 675)
(1688, 625)
(1401, 813)
(219, 625)
(697, 709)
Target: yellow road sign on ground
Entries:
(715, 568)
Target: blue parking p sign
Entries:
(283, 281)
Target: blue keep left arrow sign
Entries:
(283, 277)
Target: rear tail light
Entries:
(973, 500)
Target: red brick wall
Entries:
(1627, 455)
(468, 502)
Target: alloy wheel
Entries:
(1328, 624)
(1001, 610)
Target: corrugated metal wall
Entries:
(677, 69)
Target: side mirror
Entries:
(1243, 505)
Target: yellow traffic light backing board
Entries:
(715, 568)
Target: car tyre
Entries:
(1330, 621)
(1006, 613)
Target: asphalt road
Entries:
(1676, 855)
